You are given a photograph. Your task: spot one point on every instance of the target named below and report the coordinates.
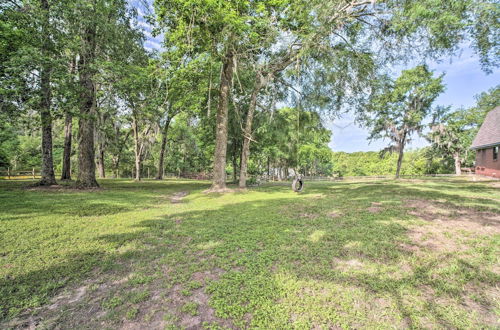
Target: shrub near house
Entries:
(487, 144)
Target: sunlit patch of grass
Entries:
(208, 245)
(316, 235)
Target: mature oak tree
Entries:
(400, 108)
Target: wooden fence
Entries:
(10, 174)
(367, 177)
(19, 174)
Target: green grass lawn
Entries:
(384, 254)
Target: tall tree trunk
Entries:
(68, 134)
(161, 160)
(245, 152)
(219, 171)
(268, 167)
(66, 165)
(100, 161)
(235, 162)
(137, 152)
(117, 157)
(86, 122)
(458, 164)
(115, 163)
(100, 140)
(47, 176)
(400, 161)
(400, 157)
(137, 169)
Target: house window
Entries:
(495, 153)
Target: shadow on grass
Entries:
(402, 190)
(117, 196)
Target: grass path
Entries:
(385, 254)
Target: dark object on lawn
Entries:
(298, 184)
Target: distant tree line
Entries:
(416, 162)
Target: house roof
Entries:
(489, 133)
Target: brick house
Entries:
(486, 143)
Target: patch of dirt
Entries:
(426, 210)
(178, 196)
(310, 216)
(346, 265)
(300, 211)
(445, 225)
(375, 207)
(375, 310)
(221, 190)
(465, 218)
(436, 240)
(409, 247)
(27, 323)
(171, 303)
(84, 306)
(123, 280)
(205, 313)
(51, 313)
(478, 177)
(60, 188)
(495, 184)
(412, 180)
(404, 270)
(484, 309)
(485, 313)
(208, 275)
(334, 214)
(73, 297)
(485, 306)
(177, 220)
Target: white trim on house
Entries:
(486, 146)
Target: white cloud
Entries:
(145, 25)
(458, 66)
(140, 12)
(348, 136)
(153, 43)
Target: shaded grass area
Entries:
(338, 255)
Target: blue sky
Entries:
(464, 79)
